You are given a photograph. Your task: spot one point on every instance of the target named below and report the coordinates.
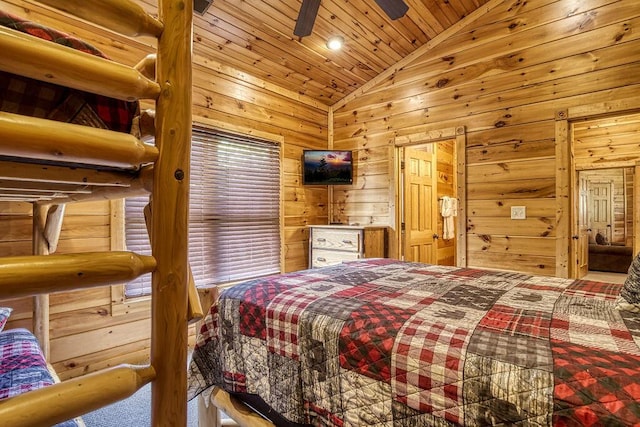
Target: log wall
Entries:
(504, 78)
(88, 332)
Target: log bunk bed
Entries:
(51, 163)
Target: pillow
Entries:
(630, 293)
(4, 316)
(601, 239)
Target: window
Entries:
(234, 212)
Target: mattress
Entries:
(22, 366)
(387, 343)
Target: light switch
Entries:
(518, 212)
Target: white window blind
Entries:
(234, 211)
(137, 240)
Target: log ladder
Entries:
(129, 168)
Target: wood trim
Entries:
(281, 208)
(393, 165)
(396, 236)
(330, 202)
(460, 184)
(563, 199)
(443, 36)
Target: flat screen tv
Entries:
(327, 167)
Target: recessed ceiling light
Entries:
(335, 42)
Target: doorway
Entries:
(597, 143)
(606, 221)
(430, 169)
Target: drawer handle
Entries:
(347, 242)
(321, 259)
(321, 239)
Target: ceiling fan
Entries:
(307, 15)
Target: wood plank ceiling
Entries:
(256, 37)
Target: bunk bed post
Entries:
(47, 223)
(169, 223)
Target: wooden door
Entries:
(583, 228)
(600, 208)
(420, 205)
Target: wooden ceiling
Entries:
(256, 37)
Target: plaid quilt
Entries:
(380, 342)
(22, 366)
(25, 96)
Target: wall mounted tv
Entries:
(327, 167)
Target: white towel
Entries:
(448, 209)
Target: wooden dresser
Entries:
(333, 244)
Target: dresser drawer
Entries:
(343, 240)
(324, 257)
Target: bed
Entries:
(70, 131)
(381, 342)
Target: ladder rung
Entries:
(122, 16)
(63, 401)
(34, 138)
(40, 59)
(36, 274)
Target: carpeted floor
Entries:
(133, 412)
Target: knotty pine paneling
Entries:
(503, 77)
(223, 98)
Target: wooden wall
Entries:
(503, 78)
(83, 322)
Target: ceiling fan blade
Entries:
(394, 8)
(306, 17)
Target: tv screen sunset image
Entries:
(327, 167)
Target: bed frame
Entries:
(132, 168)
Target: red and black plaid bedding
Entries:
(25, 96)
(22, 366)
(383, 342)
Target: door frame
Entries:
(566, 208)
(421, 138)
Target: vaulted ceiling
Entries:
(256, 37)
